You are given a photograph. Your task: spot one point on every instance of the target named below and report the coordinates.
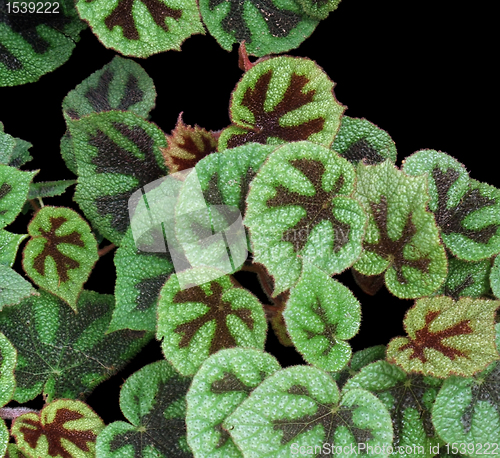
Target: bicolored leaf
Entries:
(467, 211)
(266, 27)
(409, 399)
(197, 322)
(319, 9)
(4, 437)
(62, 353)
(64, 428)
(13, 151)
(283, 99)
(7, 366)
(13, 287)
(359, 140)
(320, 315)
(36, 39)
(141, 28)
(153, 401)
(467, 411)
(298, 210)
(61, 252)
(9, 244)
(117, 153)
(447, 337)
(402, 239)
(300, 408)
(139, 278)
(187, 145)
(49, 188)
(222, 383)
(14, 186)
(495, 277)
(13, 451)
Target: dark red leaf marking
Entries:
(370, 284)
(9, 60)
(4, 190)
(229, 382)
(318, 207)
(267, 123)
(361, 150)
(424, 338)
(456, 292)
(123, 17)
(329, 329)
(218, 310)
(55, 431)
(63, 262)
(392, 250)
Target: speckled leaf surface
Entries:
(301, 407)
(266, 26)
(13, 451)
(467, 411)
(117, 153)
(360, 140)
(144, 27)
(409, 399)
(9, 244)
(467, 211)
(60, 253)
(187, 145)
(447, 337)
(13, 150)
(153, 400)
(64, 354)
(283, 99)
(13, 287)
(223, 382)
(49, 188)
(320, 315)
(495, 277)
(139, 279)
(319, 9)
(14, 186)
(198, 321)
(33, 43)
(4, 437)
(64, 428)
(402, 238)
(7, 366)
(298, 211)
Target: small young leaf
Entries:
(360, 140)
(196, 322)
(7, 366)
(14, 186)
(409, 399)
(222, 383)
(467, 410)
(153, 400)
(301, 407)
(446, 337)
(61, 252)
(320, 315)
(495, 277)
(283, 99)
(34, 44)
(142, 28)
(402, 239)
(13, 287)
(319, 9)
(298, 211)
(13, 151)
(49, 188)
(64, 428)
(187, 145)
(266, 28)
(117, 153)
(9, 244)
(64, 354)
(468, 212)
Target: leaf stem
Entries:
(11, 413)
(106, 249)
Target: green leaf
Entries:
(4, 438)
(320, 316)
(196, 322)
(300, 408)
(447, 337)
(222, 383)
(360, 140)
(61, 252)
(7, 366)
(270, 27)
(64, 427)
(467, 411)
(283, 99)
(409, 399)
(62, 353)
(495, 277)
(402, 239)
(14, 186)
(9, 244)
(34, 43)
(142, 28)
(49, 188)
(13, 287)
(117, 153)
(319, 9)
(468, 212)
(139, 279)
(13, 451)
(153, 400)
(13, 151)
(298, 210)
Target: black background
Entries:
(423, 71)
